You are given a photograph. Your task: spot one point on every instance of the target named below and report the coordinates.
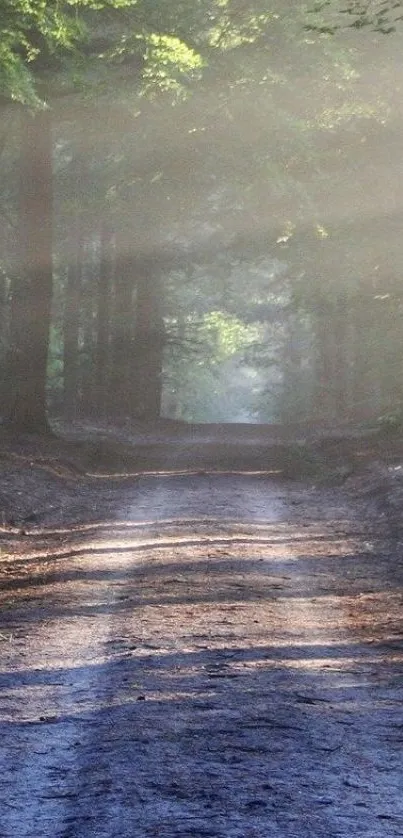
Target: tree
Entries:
(223, 141)
(33, 34)
(32, 290)
(37, 37)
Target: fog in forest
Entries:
(203, 223)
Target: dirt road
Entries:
(222, 658)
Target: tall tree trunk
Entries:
(87, 329)
(103, 318)
(293, 396)
(71, 322)
(148, 342)
(121, 348)
(363, 409)
(3, 335)
(340, 372)
(322, 397)
(31, 293)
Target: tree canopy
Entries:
(225, 193)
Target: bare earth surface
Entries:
(196, 652)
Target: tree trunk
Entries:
(361, 370)
(340, 372)
(103, 318)
(87, 327)
(322, 398)
(121, 349)
(3, 336)
(31, 293)
(293, 395)
(71, 321)
(149, 342)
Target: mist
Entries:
(226, 240)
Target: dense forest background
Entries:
(200, 211)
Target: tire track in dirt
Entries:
(215, 665)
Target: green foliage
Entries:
(168, 42)
(35, 35)
(269, 157)
(226, 335)
(168, 61)
(207, 370)
(331, 16)
(31, 31)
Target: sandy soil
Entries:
(199, 653)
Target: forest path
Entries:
(222, 659)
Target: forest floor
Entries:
(201, 634)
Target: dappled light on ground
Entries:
(207, 672)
